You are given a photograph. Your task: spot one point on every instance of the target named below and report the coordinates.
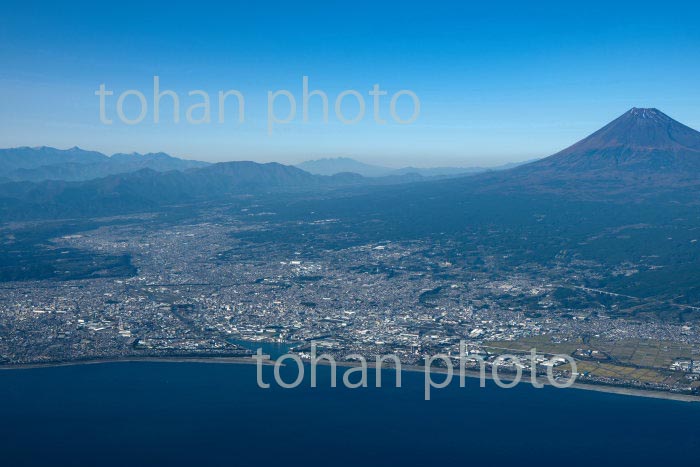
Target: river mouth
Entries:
(273, 349)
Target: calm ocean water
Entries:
(181, 414)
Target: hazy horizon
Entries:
(390, 163)
(395, 162)
(493, 88)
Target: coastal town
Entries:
(203, 290)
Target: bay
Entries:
(181, 414)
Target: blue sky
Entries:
(497, 82)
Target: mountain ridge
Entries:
(640, 154)
(335, 165)
(76, 164)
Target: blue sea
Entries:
(194, 414)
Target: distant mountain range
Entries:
(333, 166)
(75, 164)
(643, 151)
(147, 188)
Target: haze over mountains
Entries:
(37, 164)
(643, 150)
(147, 189)
(75, 164)
(332, 166)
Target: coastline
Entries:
(249, 361)
(577, 385)
(98, 361)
